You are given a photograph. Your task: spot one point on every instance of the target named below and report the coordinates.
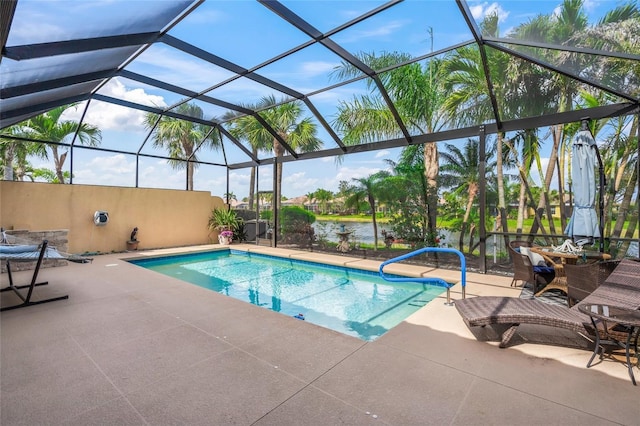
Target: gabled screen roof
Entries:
(504, 66)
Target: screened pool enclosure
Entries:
(207, 91)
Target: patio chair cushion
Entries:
(543, 269)
(536, 259)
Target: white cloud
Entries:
(349, 14)
(160, 179)
(170, 65)
(114, 170)
(314, 68)
(481, 10)
(107, 116)
(344, 93)
(115, 88)
(590, 5)
(377, 32)
(204, 16)
(348, 173)
(382, 154)
(299, 182)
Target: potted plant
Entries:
(225, 237)
(132, 243)
(227, 222)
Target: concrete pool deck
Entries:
(134, 347)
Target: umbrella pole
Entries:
(602, 184)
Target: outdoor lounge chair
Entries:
(524, 269)
(621, 289)
(31, 253)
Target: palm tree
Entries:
(405, 192)
(182, 138)
(298, 132)
(49, 127)
(460, 170)
(469, 101)
(14, 152)
(569, 25)
(309, 196)
(418, 95)
(230, 196)
(370, 187)
(353, 199)
(242, 127)
(323, 196)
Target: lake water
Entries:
(362, 232)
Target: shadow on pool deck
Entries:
(132, 346)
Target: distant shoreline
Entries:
(336, 218)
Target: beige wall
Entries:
(165, 218)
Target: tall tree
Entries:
(460, 170)
(50, 127)
(370, 187)
(406, 193)
(323, 196)
(242, 127)
(286, 119)
(469, 102)
(182, 138)
(14, 152)
(418, 95)
(310, 196)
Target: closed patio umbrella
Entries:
(583, 225)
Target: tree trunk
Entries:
(473, 189)
(502, 203)
(631, 229)
(543, 203)
(472, 234)
(522, 205)
(372, 204)
(252, 187)
(625, 204)
(276, 202)
(463, 230)
(58, 161)
(252, 180)
(190, 170)
(8, 161)
(562, 160)
(431, 169)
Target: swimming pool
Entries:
(350, 301)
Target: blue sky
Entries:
(247, 33)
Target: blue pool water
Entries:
(350, 301)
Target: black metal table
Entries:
(626, 318)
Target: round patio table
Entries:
(560, 280)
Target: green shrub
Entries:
(295, 223)
(266, 215)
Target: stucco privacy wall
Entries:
(165, 218)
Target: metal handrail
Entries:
(463, 270)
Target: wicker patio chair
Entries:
(582, 280)
(525, 271)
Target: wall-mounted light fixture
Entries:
(100, 218)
